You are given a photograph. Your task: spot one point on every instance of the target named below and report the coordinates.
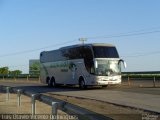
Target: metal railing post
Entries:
(39, 78)
(7, 93)
(33, 102)
(14, 78)
(27, 78)
(19, 97)
(154, 81)
(129, 81)
(54, 110)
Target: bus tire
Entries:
(82, 84)
(52, 82)
(104, 86)
(48, 81)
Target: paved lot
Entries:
(137, 100)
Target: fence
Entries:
(141, 79)
(20, 77)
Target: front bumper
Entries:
(105, 80)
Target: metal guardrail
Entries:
(81, 113)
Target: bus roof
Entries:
(91, 44)
(79, 45)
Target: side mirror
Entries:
(124, 63)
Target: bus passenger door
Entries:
(73, 73)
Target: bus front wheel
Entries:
(82, 84)
(48, 81)
(104, 86)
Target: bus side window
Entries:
(87, 53)
(88, 58)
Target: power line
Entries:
(144, 54)
(124, 35)
(132, 33)
(33, 50)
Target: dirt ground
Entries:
(9, 109)
(109, 110)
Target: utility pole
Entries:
(82, 40)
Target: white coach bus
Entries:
(83, 65)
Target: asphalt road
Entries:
(144, 98)
(43, 88)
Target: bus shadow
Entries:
(45, 89)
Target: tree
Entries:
(4, 70)
(15, 72)
(35, 68)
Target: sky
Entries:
(28, 27)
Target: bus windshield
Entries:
(105, 52)
(108, 67)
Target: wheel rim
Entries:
(53, 84)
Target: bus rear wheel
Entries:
(104, 86)
(82, 84)
(52, 82)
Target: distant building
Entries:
(34, 67)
